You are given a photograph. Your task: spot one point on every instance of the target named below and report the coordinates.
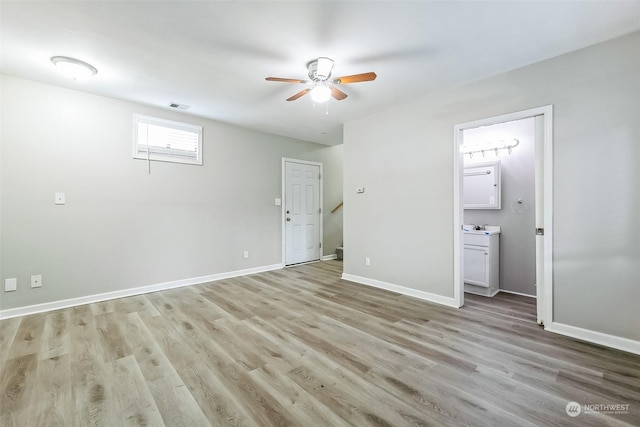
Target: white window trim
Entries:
(150, 155)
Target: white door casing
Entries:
(302, 213)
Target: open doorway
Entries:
(517, 149)
(500, 159)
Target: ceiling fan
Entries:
(323, 86)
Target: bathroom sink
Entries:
(488, 230)
(484, 232)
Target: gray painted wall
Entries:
(517, 237)
(404, 159)
(331, 158)
(122, 228)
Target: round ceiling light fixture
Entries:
(74, 68)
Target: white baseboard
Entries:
(517, 293)
(329, 257)
(438, 299)
(57, 305)
(600, 338)
(491, 294)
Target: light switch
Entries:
(278, 202)
(60, 199)
(10, 285)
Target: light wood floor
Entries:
(301, 347)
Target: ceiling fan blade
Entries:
(281, 79)
(338, 94)
(355, 78)
(299, 94)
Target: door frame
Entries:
(283, 216)
(543, 196)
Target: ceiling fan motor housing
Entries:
(320, 69)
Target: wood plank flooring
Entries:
(302, 347)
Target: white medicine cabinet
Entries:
(482, 185)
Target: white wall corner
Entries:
(426, 296)
(89, 299)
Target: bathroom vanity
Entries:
(482, 260)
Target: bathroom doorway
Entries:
(519, 146)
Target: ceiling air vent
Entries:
(179, 106)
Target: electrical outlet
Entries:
(10, 285)
(367, 261)
(36, 280)
(246, 254)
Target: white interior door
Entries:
(302, 212)
(539, 204)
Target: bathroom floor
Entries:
(503, 304)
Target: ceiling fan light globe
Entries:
(320, 93)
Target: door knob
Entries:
(288, 219)
(287, 211)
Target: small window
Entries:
(166, 140)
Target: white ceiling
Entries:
(214, 55)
